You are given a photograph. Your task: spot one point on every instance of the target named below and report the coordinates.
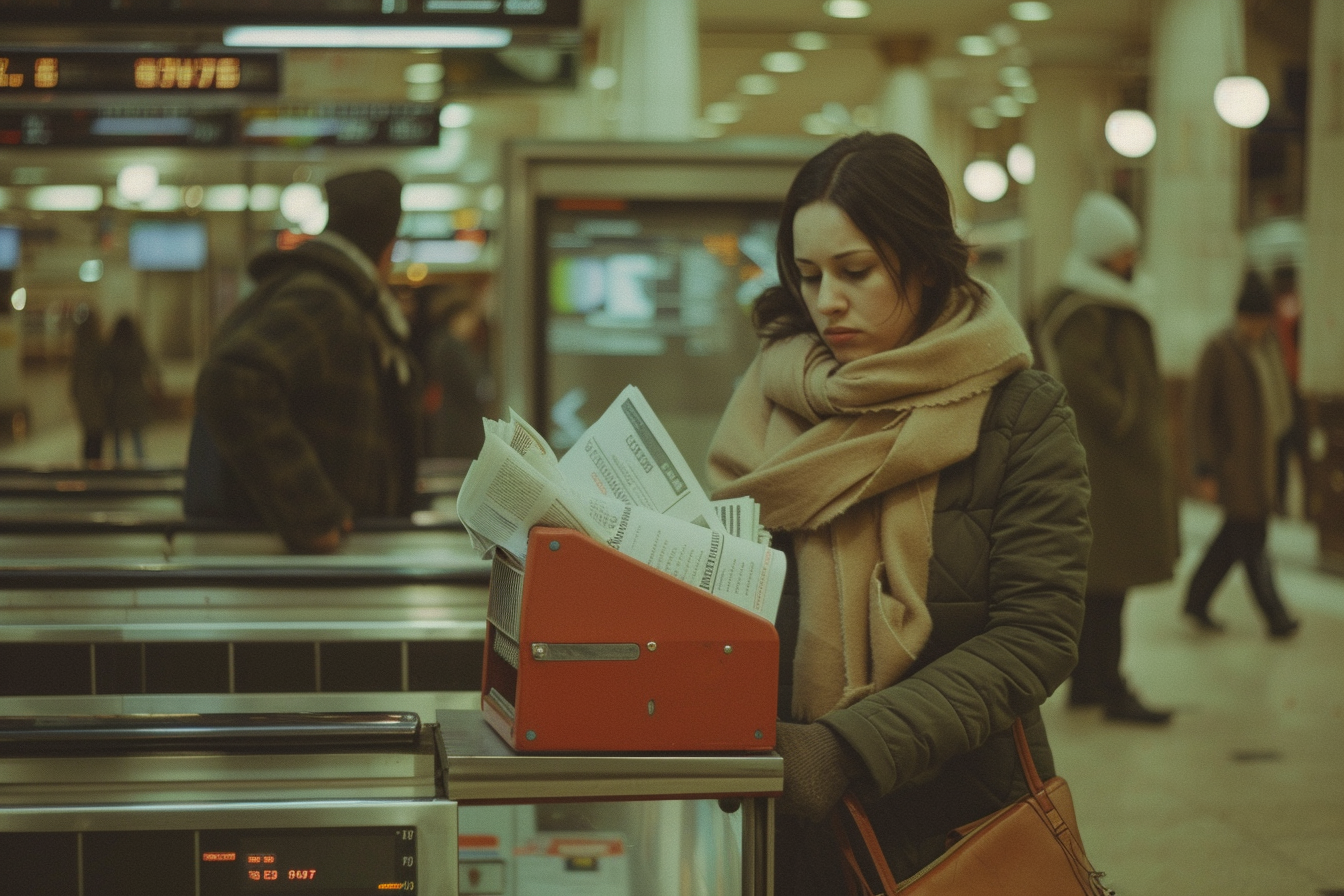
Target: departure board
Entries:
(27, 71)
(498, 13)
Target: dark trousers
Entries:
(93, 444)
(1244, 541)
(1100, 644)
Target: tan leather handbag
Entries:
(1029, 848)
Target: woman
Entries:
(933, 494)
(89, 383)
(132, 371)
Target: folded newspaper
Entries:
(626, 484)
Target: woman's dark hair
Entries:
(894, 194)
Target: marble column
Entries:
(660, 70)
(906, 104)
(1323, 275)
(1192, 246)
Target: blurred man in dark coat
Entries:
(310, 395)
(1241, 408)
(1095, 337)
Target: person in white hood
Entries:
(1096, 338)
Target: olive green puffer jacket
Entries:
(1006, 583)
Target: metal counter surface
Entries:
(480, 767)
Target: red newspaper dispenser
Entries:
(588, 650)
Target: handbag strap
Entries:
(865, 828)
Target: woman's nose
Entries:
(830, 298)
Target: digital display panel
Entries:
(167, 245)
(9, 248)
(326, 862)
(110, 126)
(81, 71)
(506, 13)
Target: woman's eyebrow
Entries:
(845, 254)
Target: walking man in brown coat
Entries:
(1242, 407)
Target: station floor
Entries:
(1241, 795)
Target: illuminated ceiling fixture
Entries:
(723, 113)
(136, 183)
(1006, 107)
(19, 299)
(423, 73)
(1030, 11)
(985, 180)
(783, 62)
(1026, 95)
(1014, 76)
(225, 198)
(456, 115)
(366, 37)
(263, 198)
(423, 93)
(1005, 34)
(433, 197)
(983, 117)
(1022, 163)
(66, 198)
(1241, 100)
(810, 40)
(977, 45)
(1131, 132)
(300, 202)
(604, 77)
(757, 85)
(91, 271)
(847, 9)
(819, 125)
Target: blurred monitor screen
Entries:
(167, 245)
(9, 248)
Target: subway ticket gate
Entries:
(339, 802)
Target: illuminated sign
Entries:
(84, 71)
(319, 862)
(505, 13)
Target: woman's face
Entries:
(853, 302)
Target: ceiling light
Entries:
(225, 198)
(810, 40)
(1026, 95)
(365, 36)
(757, 85)
(432, 197)
(423, 93)
(1241, 101)
(65, 198)
(1030, 11)
(818, 124)
(193, 196)
(977, 45)
(1004, 34)
(847, 9)
(837, 113)
(297, 201)
(723, 113)
(983, 117)
(163, 199)
(263, 198)
(604, 77)
(19, 299)
(783, 62)
(423, 73)
(985, 180)
(1022, 163)
(136, 182)
(1130, 132)
(1014, 76)
(91, 271)
(456, 115)
(1006, 107)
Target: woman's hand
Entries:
(818, 769)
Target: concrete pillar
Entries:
(906, 104)
(1193, 248)
(660, 70)
(1323, 278)
(587, 113)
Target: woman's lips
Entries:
(841, 335)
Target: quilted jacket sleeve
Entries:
(1038, 542)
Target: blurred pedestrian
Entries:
(1288, 330)
(1096, 338)
(308, 404)
(133, 379)
(1241, 408)
(89, 383)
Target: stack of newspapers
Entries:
(625, 484)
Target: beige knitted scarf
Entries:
(812, 440)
